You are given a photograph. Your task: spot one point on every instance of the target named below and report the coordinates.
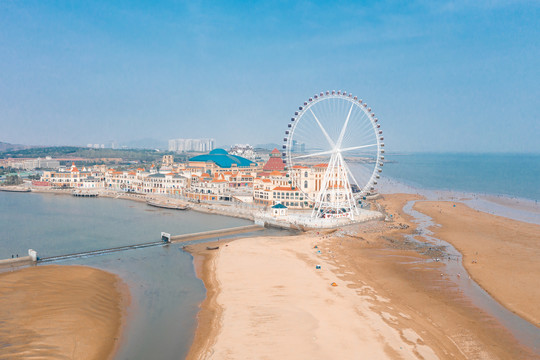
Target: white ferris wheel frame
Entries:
(336, 160)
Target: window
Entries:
(305, 184)
(305, 174)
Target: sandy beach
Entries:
(61, 312)
(266, 299)
(499, 253)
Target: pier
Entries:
(167, 205)
(14, 189)
(81, 193)
(27, 260)
(215, 233)
(19, 261)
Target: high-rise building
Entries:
(191, 144)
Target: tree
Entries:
(13, 180)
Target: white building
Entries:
(244, 150)
(39, 163)
(191, 144)
(205, 187)
(74, 178)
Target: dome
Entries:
(218, 152)
(222, 158)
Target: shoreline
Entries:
(113, 194)
(494, 341)
(491, 253)
(509, 206)
(516, 208)
(208, 324)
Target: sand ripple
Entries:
(60, 312)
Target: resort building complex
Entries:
(215, 176)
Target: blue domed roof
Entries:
(223, 159)
(218, 152)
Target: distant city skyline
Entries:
(191, 144)
(441, 76)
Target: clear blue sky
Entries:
(441, 75)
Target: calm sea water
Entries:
(514, 175)
(165, 292)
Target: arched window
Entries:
(305, 174)
(305, 184)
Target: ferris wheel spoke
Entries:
(340, 139)
(323, 130)
(348, 170)
(356, 147)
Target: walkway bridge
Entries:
(165, 239)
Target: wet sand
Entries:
(268, 300)
(500, 254)
(61, 312)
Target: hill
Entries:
(4, 146)
(87, 153)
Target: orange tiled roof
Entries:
(284, 188)
(274, 163)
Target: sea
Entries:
(165, 291)
(510, 175)
(501, 184)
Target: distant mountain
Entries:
(12, 147)
(147, 143)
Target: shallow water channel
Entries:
(523, 331)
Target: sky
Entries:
(442, 76)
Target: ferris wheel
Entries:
(338, 137)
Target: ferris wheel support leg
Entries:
(321, 204)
